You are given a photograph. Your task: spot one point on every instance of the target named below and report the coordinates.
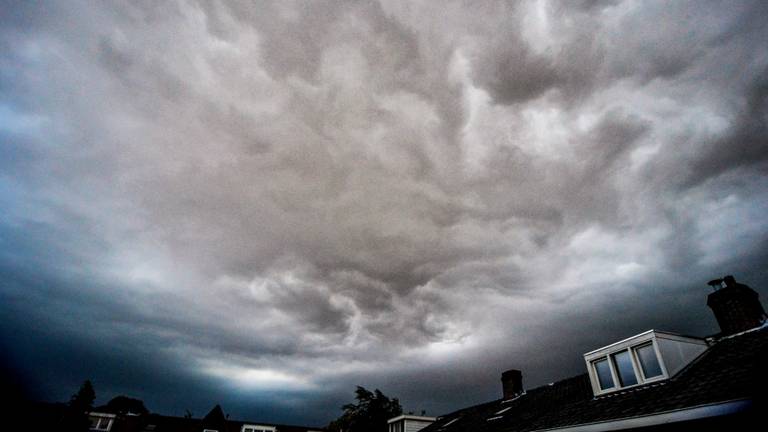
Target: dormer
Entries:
(409, 423)
(648, 357)
(101, 421)
(257, 428)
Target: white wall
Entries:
(678, 353)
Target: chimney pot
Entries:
(511, 383)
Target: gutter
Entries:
(697, 412)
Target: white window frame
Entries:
(109, 418)
(631, 344)
(258, 428)
(101, 426)
(397, 426)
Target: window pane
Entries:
(648, 361)
(623, 363)
(603, 374)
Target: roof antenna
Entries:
(716, 284)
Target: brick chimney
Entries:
(511, 383)
(736, 306)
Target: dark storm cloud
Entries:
(744, 143)
(265, 204)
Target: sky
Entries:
(265, 204)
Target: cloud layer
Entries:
(265, 204)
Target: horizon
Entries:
(264, 205)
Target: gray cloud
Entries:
(273, 202)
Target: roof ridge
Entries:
(762, 326)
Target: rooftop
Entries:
(725, 376)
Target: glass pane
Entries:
(603, 374)
(623, 363)
(648, 361)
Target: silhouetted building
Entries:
(108, 419)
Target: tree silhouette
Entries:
(369, 414)
(76, 416)
(84, 397)
(125, 405)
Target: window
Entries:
(603, 374)
(625, 365)
(257, 428)
(100, 422)
(649, 364)
(626, 372)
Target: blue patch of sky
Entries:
(19, 123)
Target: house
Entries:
(653, 381)
(103, 419)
